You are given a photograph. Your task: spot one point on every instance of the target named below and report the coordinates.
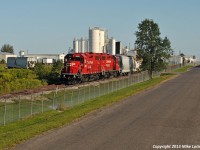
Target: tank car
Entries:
(126, 64)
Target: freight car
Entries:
(126, 64)
(81, 67)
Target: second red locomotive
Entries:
(80, 67)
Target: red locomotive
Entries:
(80, 67)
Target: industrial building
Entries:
(111, 49)
(190, 59)
(4, 56)
(174, 60)
(80, 45)
(44, 58)
(98, 42)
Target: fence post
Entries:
(31, 104)
(78, 94)
(142, 76)
(64, 96)
(112, 86)
(119, 84)
(4, 121)
(42, 102)
(125, 82)
(84, 94)
(54, 96)
(94, 90)
(108, 87)
(19, 107)
(56, 89)
(138, 77)
(71, 98)
(89, 91)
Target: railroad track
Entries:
(58, 85)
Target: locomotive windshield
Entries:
(70, 57)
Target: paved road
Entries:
(166, 115)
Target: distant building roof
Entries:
(43, 54)
(6, 53)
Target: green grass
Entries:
(19, 131)
(182, 69)
(2, 66)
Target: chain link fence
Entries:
(24, 106)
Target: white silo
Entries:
(113, 46)
(87, 45)
(94, 40)
(75, 45)
(101, 41)
(82, 45)
(21, 53)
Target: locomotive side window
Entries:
(97, 58)
(103, 58)
(72, 59)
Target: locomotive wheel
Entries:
(74, 81)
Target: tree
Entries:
(42, 71)
(49, 73)
(2, 61)
(55, 72)
(151, 48)
(57, 66)
(7, 48)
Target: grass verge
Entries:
(19, 131)
(182, 69)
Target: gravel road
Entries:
(167, 115)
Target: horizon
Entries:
(50, 27)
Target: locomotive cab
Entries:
(72, 67)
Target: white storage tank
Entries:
(75, 45)
(82, 45)
(21, 53)
(94, 40)
(101, 41)
(113, 46)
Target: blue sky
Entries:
(49, 26)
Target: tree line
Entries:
(14, 80)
